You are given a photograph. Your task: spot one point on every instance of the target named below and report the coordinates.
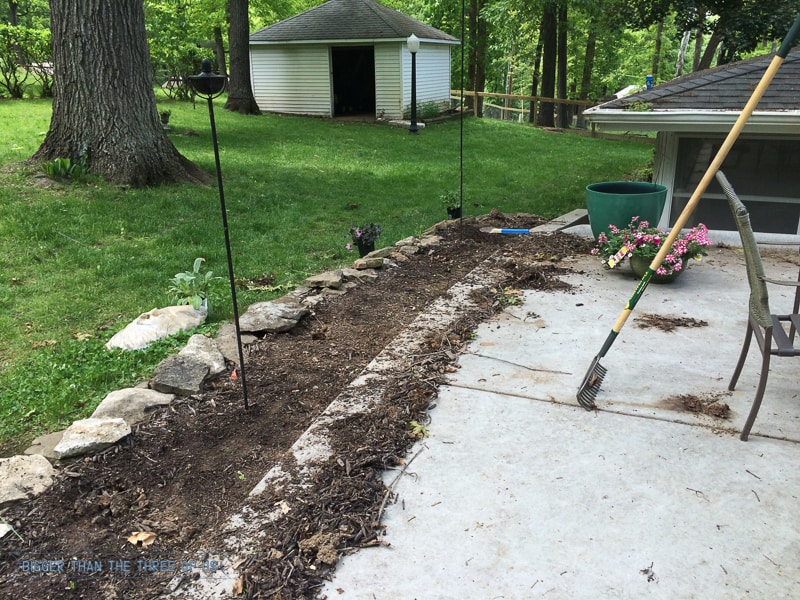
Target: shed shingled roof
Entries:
(725, 88)
(348, 20)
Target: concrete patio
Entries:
(520, 493)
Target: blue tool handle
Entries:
(515, 231)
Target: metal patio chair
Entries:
(769, 329)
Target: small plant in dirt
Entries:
(194, 287)
(417, 430)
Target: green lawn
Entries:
(79, 261)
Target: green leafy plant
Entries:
(418, 430)
(450, 199)
(364, 235)
(639, 239)
(64, 168)
(193, 287)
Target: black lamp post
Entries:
(209, 86)
(413, 47)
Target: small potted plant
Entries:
(165, 115)
(193, 287)
(639, 243)
(363, 237)
(452, 204)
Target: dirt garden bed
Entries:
(180, 475)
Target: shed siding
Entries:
(433, 74)
(388, 81)
(292, 79)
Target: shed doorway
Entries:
(353, 80)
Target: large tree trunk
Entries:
(588, 65)
(219, 51)
(711, 49)
(679, 62)
(549, 42)
(564, 112)
(477, 54)
(657, 51)
(240, 90)
(537, 62)
(103, 101)
(698, 48)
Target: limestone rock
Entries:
(328, 279)
(430, 240)
(91, 435)
(381, 252)
(154, 325)
(205, 350)
(408, 250)
(410, 240)
(45, 445)
(131, 404)
(181, 375)
(368, 263)
(23, 477)
(273, 316)
(226, 342)
(362, 275)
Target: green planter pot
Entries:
(617, 202)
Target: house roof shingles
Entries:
(348, 20)
(725, 88)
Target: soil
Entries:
(165, 492)
(667, 323)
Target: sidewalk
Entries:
(520, 493)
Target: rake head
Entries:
(591, 384)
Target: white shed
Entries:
(348, 57)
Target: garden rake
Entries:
(594, 376)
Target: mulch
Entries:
(185, 470)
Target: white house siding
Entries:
(388, 81)
(291, 79)
(433, 74)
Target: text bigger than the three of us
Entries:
(139, 566)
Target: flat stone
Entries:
(91, 435)
(23, 477)
(368, 263)
(273, 316)
(406, 241)
(380, 252)
(430, 240)
(181, 375)
(226, 342)
(157, 324)
(45, 444)
(399, 257)
(362, 275)
(328, 279)
(131, 404)
(205, 350)
(408, 250)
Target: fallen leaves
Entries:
(142, 538)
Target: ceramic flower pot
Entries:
(364, 248)
(640, 264)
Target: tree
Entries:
(104, 108)
(563, 109)
(240, 89)
(549, 46)
(477, 54)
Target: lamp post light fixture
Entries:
(413, 47)
(209, 86)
